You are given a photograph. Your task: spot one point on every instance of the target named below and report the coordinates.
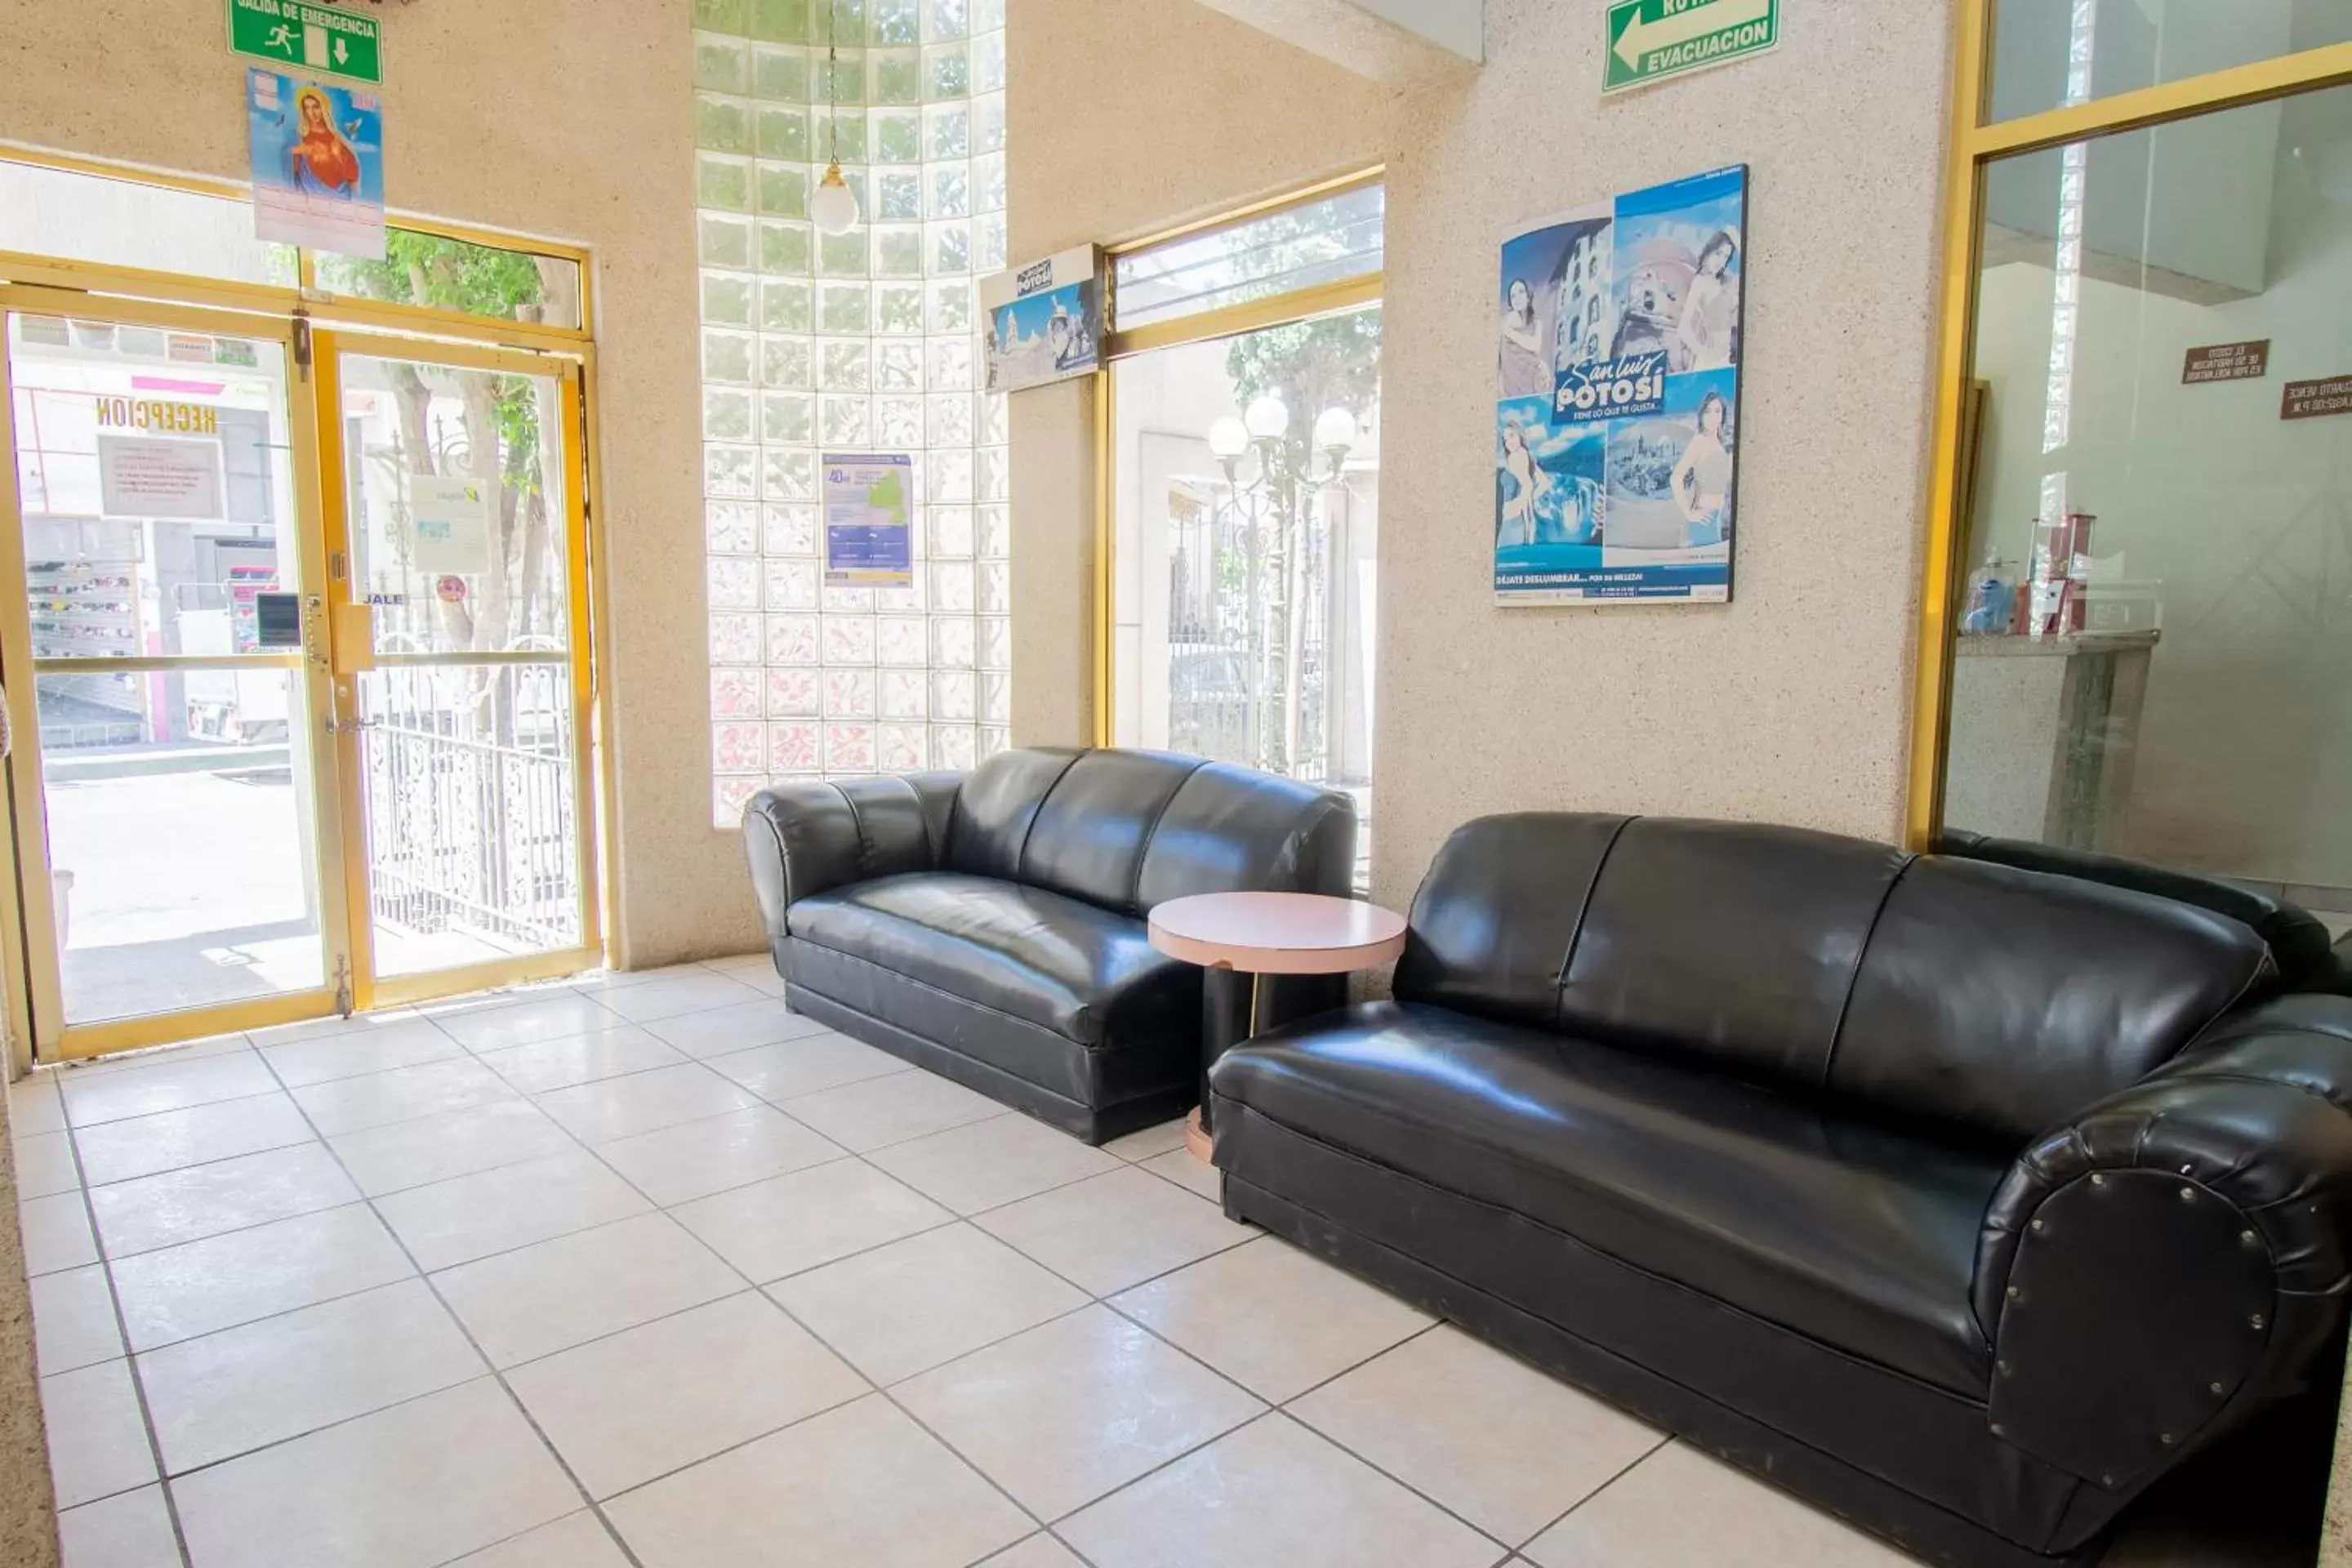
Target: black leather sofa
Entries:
(1965, 1201)
(990, 926)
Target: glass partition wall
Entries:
(1242, 492)
(2141, 607)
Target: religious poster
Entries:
(317, 153)
(1617, 413)
(870, 521)
(1043, 322)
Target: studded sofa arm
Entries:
(2175, 1259)
(807, 838)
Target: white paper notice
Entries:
(452, 523)
(149, 476)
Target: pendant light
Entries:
(834, 206)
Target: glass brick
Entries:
(995, 587)
(734, 694)
(988, 65)
(951, 586)
(898, 308)
(847, 420)
(841, 80)
(730, 527)
(898, 421)
(901, 747)
(954, 694)
(987, 16)
(838, 22)
(993, 526)
(846, 307)
(951, 191)
(897, 75)
(898, 136)
(734, 639)
(783, 190)
(791, 639)
(735, 747)
(729, 794)
(907, 600)
(995, 643)
(788, 530)
(726, 414)
(988, 180)
(787, 418)
(849, 748)
(897, 21)
(726, 300)
(898, 367)
(730, 472)
(784, 246)
(988, 243)
(954, 746)
(727, 356)
(951, 476)
(793, 748)
(781, 75)
(898, 639)
(899, 252)
(996, 699)
(987, 146)
(783, 134)
(849, 693)
(722, 239)
(993, 740)
(722, 124)
(788, 476)
(995, 472)
(785, 305)
(843, 601)
(955, 642)
(951, 362)
(995, 430)
(906, 693)
(950, 248)
(794, 693)
(734, 584)
(781, 21)
(787, 362)
(947, 131)
(841, 255)
(951, 532)
(949, 19)
(722, 64)
(722, 182)
(950, 419)
(947, 72)
(847, 364)
(897, 196)
(841, 136)
(720, 15)
(951, 306)
(790, 584)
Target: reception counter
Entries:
(2044, 734)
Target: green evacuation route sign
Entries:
(1650, 40)
(305, 37)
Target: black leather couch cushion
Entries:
(997, 806)
(1089, 835)
(1049, 959)
(1816, 1221)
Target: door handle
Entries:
(354, 638)
(351, 726)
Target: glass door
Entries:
(166, 673)
(458, 573)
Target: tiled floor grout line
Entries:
(474, 1346)
(132, 1369)
(1664, 1442)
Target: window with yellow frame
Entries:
(2139, 605)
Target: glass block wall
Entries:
(865, 341)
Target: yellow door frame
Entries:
(300, 318)
(1979, 141)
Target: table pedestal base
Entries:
(1196, 1139)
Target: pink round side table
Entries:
(1230, 935)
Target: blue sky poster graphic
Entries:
(1618, 397)
(316, 154)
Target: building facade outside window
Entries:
(862, 343)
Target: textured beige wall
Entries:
(1790, 704)
(572, 119)
(1126, 117)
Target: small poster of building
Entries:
(1043, 322)
(1617, 409)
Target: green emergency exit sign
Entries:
(323, 38)
(1651, 40)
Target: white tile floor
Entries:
(646, 1270)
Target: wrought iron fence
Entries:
(473, 825)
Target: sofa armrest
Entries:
(803, 839)
(2175, 1258)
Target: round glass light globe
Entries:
(832, 206)
(1228, 437)
(1267, 418)
(1335, 427)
